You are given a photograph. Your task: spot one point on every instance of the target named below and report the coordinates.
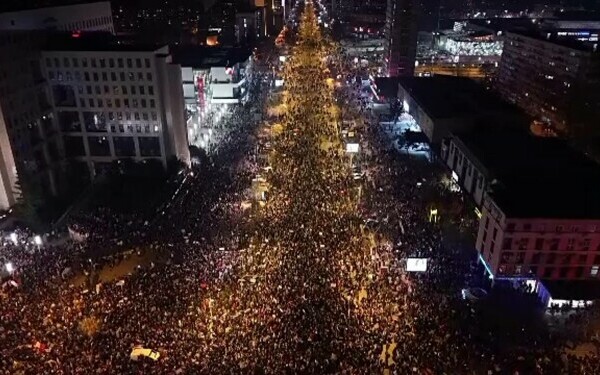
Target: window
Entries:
(564, 271)
(140, 76)
(539, 243)
(523, 243)
(86, 75)
(151, 103)
(147, 63)
(100, 103)
(129, 64)
(149, 76)
(117, 102)
(153, 115)
(548, 271)
(93, 63)
(138, 63)
(585, 246)
(75, 62)
(66, 62)
(95, 77)
(91, 103)
(582, 258)
(137, 116)
(111, 63)
(134, 102)
(594, 271)
(97, 89)
(571, 244)
(131, 76)
(559, 228)
(150, 90)
(124, 90)
(554, 244)
(84, 62)
(122, 76)
(126, 102)
(109, 103)
(145, 116)
(143, 103)
(48, 62)
(113, 76)
(128, 116)
(106, 89)
(56, 63)
(527, 227)
(104, 76)
(116, 90)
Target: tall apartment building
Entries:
(552, 78)
(31, 145)
(401, 30)
(114, 101)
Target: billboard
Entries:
(416, 264)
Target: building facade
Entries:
(116, 103)
(401, 30)
(538, 248)
(553, 79)
(32, 149)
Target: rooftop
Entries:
(552, 37)
(95, 41)
(576, 290)
(536, 177)
(205, 57)
(452, 97)
(7, 6)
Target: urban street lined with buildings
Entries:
(309, 276)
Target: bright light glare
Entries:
(37, 240)
(9, 267)
(14, 238)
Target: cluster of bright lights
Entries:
(472, 47)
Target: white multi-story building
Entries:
(113, 101)
(31, 145)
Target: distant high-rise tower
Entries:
(401, 37)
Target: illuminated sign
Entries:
(416, 264)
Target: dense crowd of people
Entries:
(311, 280)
